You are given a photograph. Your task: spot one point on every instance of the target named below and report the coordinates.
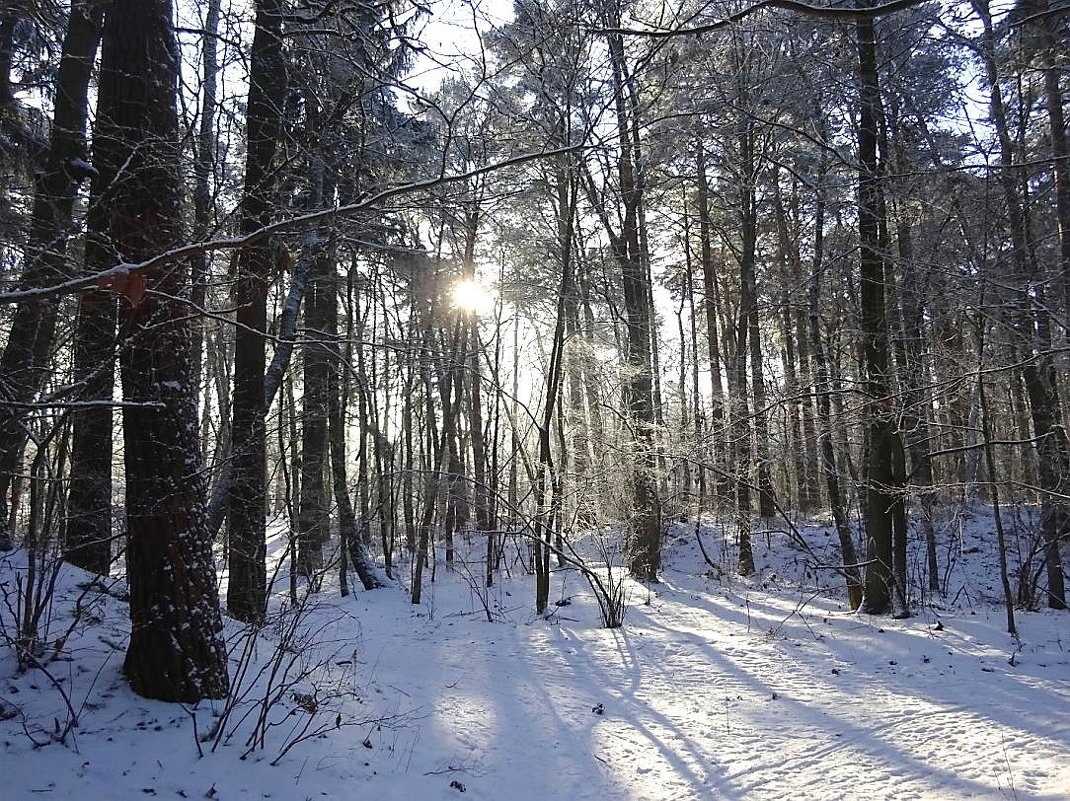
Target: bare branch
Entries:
(177, 254)
(821, 12)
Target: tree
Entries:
(645, 524)
(247, 590)
(88, 530)
(882, 441)
(25, 360)
(175, 651)
(1028, 321)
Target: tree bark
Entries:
(709, 307)
(25, 361)
(88, 526)
(881, 495)
(176, 652)
(645, 524)
(247, 590)
(1037, 370)
(313, 518)
(203, 167)
(824, 389)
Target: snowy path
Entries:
(710, 691)
(707, 694)
(696, 705)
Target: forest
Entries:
(308, 304)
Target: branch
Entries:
(821, 12)
(86, 404)
(177, 254)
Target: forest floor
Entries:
(715, 688)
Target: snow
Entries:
(714, 688)
(81, 168)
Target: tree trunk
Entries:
(824, 389)
(247, 591)
(1038, 372)
(645, 523)
(742, 436)
(880, 490)
(175, 652)
(313, 517)
(917, 397)
(203, 167)
(25, 363)
(709, 307)
(88, 530)
(352, 544)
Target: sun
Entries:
(471, 296)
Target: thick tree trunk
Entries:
(176, 652)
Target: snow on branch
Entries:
(107, 277)
(824, 12)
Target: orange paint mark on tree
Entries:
(131, 286)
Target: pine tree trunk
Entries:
(645, 523)
(917, 398)
(823, 387)
(313, 519)
(25, 363)
(176, 652)
(203, 167)
(1029, 327)
(88, 529)
(352, 544)
(880, 495)
(696, 392)
(709, 307)
(741, 419)
(247, 591)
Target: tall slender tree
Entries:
(25, 360)
(881, 441)
(246, 592)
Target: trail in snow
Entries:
(714, 689)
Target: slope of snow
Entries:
(716, 687)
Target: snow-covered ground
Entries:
(714, 688)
